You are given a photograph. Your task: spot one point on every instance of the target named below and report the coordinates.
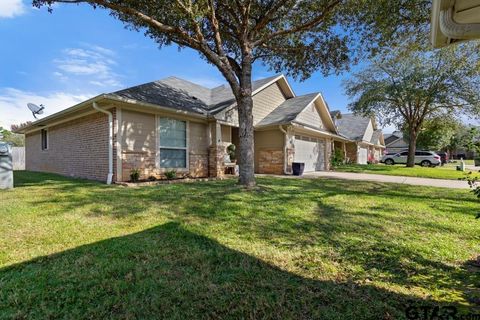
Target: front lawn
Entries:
(446, 172)
(293, 249)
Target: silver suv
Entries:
(423, 158)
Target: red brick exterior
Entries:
(77, 148)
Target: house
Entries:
(366, 143)
(453, 21)
(174, 124)
(394, 142)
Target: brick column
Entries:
(216, 167)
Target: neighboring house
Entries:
(453, 21)
(366, 143)
(174, 124)
(394, 142)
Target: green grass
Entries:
(293, 249)
(445, 172)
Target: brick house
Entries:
(175, 124)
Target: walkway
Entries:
(455, 184)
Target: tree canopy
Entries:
(407, 88)
(437, 133)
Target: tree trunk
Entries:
(412, 147)
(245, 132)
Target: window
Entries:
(422, 153)
(173, 143)
(404, 153)
(44, 134)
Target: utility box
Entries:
(6, 166)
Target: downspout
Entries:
(285, 156)
(454, 30)
(110, 141)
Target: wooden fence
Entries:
(18, 157)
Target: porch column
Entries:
(344, 146)
(216, 152)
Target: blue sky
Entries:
(76, 52)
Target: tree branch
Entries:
(303, 27)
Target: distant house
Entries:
(174, 124)
(366, 142)
(394, 142)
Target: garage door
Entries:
(310, 151)
(362, 155)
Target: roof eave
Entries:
(77, 107)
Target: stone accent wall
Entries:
(77, 148)
(198, 165)
(142, 160)
(216, 166)
(290, 157)
(270, 161)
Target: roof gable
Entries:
(353, 126)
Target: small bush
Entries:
(337, 158)
(170, 175)
(231, 152)
(134, 174)
(152, 178)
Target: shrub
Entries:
(170, 175)
(152, 178)
(231, 152)
(474, 183)
(337, 158)
(134, 174)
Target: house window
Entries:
(173, 143)
(44, 134)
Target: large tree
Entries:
(437, 133)
(404, 88)
(296, 37)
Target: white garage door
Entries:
(362, 155)
(310, 151)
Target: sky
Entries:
(62, 58)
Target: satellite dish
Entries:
(35, 109)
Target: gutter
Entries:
(454, 30)
(285, 156)
(110, 140)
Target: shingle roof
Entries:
(184, 95)
(353, 126)
(288, 110)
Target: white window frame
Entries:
(46, 137)
(159, 144)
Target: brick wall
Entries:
(77, 148)
(270, 161)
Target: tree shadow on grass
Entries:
(361, 243)
(170, 272)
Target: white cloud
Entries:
(11, 8)
(93, 65)
(13, 104)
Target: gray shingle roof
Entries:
(288, 110)
(184, 95)
(353, 126)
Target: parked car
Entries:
(443, 157)
(423, 158)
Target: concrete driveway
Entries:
(455, 184)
